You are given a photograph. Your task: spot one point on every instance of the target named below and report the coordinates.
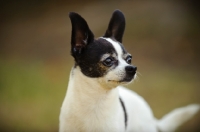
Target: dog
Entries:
(96, 100)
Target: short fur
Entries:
(95, 100)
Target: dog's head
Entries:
(104, 57)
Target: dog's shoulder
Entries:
(126, 93)
(139, 113)
(134, 100)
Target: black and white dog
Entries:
(95, 101)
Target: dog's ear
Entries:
(116, 26)
(81, 34)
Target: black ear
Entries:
(81, 34)
(116, 26)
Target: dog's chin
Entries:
(120, 82)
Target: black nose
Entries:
(130, 69)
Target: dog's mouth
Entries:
(125, 80)
(114, 81)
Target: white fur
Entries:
(90, 107)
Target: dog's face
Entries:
(105, 57)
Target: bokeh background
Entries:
(163, 37)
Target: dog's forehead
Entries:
(112, 44)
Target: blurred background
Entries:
(163, 37)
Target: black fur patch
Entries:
(125, 113)
(90, 58)
(116, 26)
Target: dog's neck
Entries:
(89, 90)
(91, 103)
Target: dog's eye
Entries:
(128, 59)
(108, 62)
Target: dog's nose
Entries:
(130, 69)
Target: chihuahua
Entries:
(96, 101)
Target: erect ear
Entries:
(81, 34)
(116, 26)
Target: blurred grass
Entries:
(31, 95)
